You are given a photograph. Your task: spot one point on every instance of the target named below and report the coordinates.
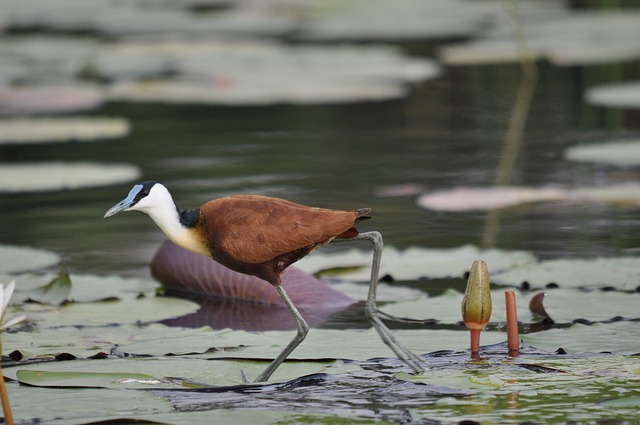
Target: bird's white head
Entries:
(149, 197)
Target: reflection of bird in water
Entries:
(259, 236)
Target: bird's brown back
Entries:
(255, 229)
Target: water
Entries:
(448, 132)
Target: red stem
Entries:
(475, 342)
(513, 341)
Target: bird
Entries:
(261, 236)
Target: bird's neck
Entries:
(181, 227)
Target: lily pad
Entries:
(48, 99)
(19, 259)
(39, 378)
(82, 406)
(616, 152)
(618, 337)
(45, 59)
(469, 199)
(412, 263)
(622, 273)
(474, 199)
(55, 292)
(217, 72)
(47, 130)
(564, 306)
(87, 288)
(615, 95)
(564, 38)
(109, 313)
(51, 176)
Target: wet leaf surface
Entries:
(15, 259)
(26, 131)
(55, 292)
(412, 263)
(47, 176)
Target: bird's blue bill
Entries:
(125, 204)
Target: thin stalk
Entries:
(4, 396)
(513, 340)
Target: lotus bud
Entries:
(476, 304)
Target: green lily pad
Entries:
(621, 273)
(615, 95)
(26, 131)
(564, 305)
(55, 292)
(412, 263)
(81, 406)
(109, 313)
(616, 152)
(162, 373)
(216, 72)
(20, 259)
(87, 288)
(48, 176)
(39, 378)
(561, 36)
(618, 337)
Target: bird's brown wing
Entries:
(255, 229)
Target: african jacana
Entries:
(261, 236)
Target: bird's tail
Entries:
(361, 215)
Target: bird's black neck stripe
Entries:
(189, 218)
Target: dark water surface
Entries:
(447, 132)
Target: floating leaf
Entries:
(413, 263)
(622, 273)
(563, 37)
(615, 95)
(617, 152)
(55, 292)
(617, 337)
(88, 288)
(36, 177)
(109, 313)
(39, 378)
(472, 199)
(48, 99)
(489, 198)
(19, 259)
(25, 131)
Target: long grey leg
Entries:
(303, 329)
(412, 360)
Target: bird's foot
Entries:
(386, 316)
(245, 377)
(415, 362)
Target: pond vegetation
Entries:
(400, 106)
